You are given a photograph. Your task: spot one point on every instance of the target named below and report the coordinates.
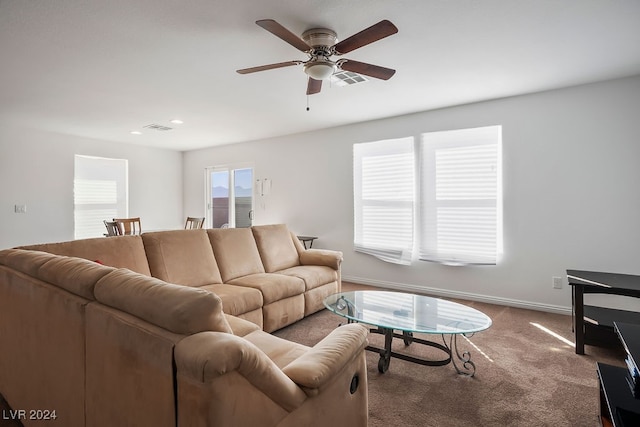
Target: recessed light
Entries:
(136, 132)
(177, 121)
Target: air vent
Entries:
(157, 127)
(346, 78)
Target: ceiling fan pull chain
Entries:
(307, 102)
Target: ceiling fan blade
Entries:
(369, 35)
(313, 86)
(267, 67)
(367, 69)
(278, 30)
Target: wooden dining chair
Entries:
(193, 223)
(129, 226)
(112, 228)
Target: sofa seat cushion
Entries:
(183, 257)
(236, 300)
(241, 327)
(313, 275)
(276, 246)
(256, 317)
(274, 287)
(236, 252)
(280, 351)
(120, 251)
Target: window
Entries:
(229, 197)
(99, 193)
(461, 196)
(457, 207)
(383, 199)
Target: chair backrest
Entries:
(129, 226)
(193, 222)
(112, 228)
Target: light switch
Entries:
(20, 208)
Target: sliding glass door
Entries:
(229, 197)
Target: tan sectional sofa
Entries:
(171, 328)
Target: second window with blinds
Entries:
(437, 198)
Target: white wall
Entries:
(571, 197)
(37, 168)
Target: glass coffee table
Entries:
(408, 314)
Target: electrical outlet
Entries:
(20, 208)
(557, 282)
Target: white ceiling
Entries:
(102, 68)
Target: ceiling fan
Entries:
(320, 45)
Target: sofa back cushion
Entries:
(179, 309)
(276, 247)
(183, 257)
(75, 275)
(236, 252)
(120, 252)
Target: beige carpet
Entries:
(526, 376)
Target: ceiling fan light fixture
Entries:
(320, 45)
(319, 69)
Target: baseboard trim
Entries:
(558, 309)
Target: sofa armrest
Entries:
(324, 257)
(207, 355)
(326, 359)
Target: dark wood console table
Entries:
(618, 406)
(594, 325)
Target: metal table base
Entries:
(450, 349)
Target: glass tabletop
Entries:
(407, 312)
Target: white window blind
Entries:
(99, 193)
(384, 199)
(461, 196)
